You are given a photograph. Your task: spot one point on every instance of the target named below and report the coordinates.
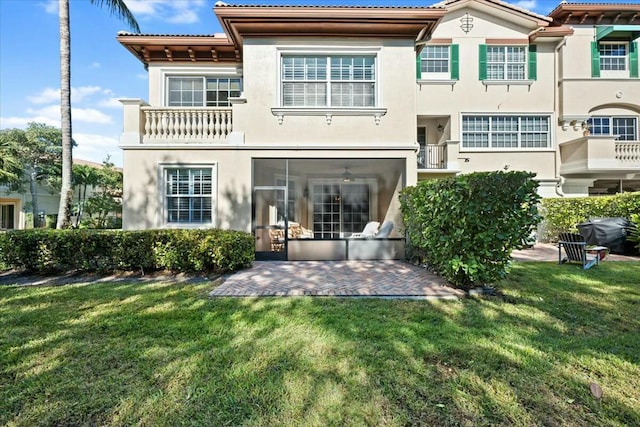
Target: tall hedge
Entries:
(465, 227)
(563, 214)
(635, 232)
(43, 251)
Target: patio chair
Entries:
(385, 230)
(276, 235)
(576, 250)
(368, 232)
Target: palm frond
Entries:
(121, 11)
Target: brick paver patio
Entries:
(393, 279)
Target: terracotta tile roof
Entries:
(320, 6)
(503, 4)
(217, 35)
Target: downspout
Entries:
(556, 101)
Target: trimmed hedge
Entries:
(465, 227)
(44, 251)
(561, 215)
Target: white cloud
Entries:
(527, 4)
(184, 17)
(96, 148)
(51, 116)
(95, 65)
(175, 12)
(50, 6)
(47, 95)
(21, 122)
(90, 115)
(142, 76)
(78, 94)
(142, 7)
(110, 103)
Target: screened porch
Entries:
(317, 209)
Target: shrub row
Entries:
(44, 251)
(562, 215)
(465, 227)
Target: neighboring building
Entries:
(599, 98)
(317, 117)
(14, 206)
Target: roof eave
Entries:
(261, 21)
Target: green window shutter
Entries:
(633, 59)
(482, 75)
(533, 66)
(595, 60)
(455, 61)
(418, 68)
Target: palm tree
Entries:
(84, 176)
(118, 8)
(9, 162)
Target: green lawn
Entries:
(162, 354)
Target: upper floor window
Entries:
(613, 56)
(505, 132)
(614, 53)
(438, 62)
(508, 62)
(623, 128)
(328, 81)
(189, 195)
(202, 91)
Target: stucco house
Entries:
(301, 124)
(15, 205)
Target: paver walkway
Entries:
(549, 252)
(393, 279)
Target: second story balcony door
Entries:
(430, 156)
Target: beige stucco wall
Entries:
(395, 75)
(47, 203)
(580, 94)
(143, 204)
(470, 95)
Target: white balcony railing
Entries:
(628, 152)
(186, 124)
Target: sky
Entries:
(103, 71)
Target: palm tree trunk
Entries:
(34, 198)
(66, 192)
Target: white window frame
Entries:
(373, 196)
(163, 197)
(377, 111)
(614, 73)
(204, 79)
(490, 132)
(161, 87)
(429, 75)
(611, 126)
(329, 81)
(506, 63)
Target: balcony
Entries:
(600, 155)
(144, 124)
(186, 124)
(432, 156)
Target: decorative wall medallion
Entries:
(467, 23)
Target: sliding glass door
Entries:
(340, 209)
